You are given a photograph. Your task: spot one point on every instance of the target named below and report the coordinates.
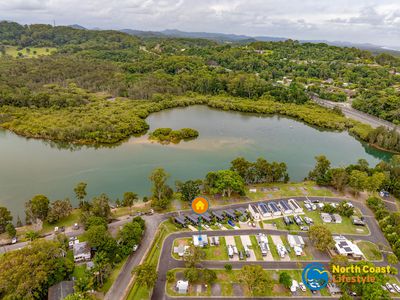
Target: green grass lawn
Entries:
(66, 222)
(138, 292)
(217, 252)
(79, 270)
(226, 278)
(370, 250)
(256, 248)
(272, 248)
(345, 227)
(291, 189)
(113, 276)
(32, 52)
(292, 255)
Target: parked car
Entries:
(305, 228)
(315, 201)
(135, 247)
(302, 286)
(390, 288)
(76, 226)
(351, 293)
(396, 287)
(241, 256)
(62, 228)
(308, 206)
(14, 240)
(288, 249)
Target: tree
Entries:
(101, 268)
(358, 180)
(162, 193)
(285, 279)
(170, 276)
(320, 171)
(10, 229)
(130, 235)
(321, 236)
(189, 189)
(5, 218)
(95, 221)
(129, 199)
(59, 209)
(146, 275)
(32, 235)
(19, 222)
(255, 279)
(193, 256)
(339, 178)
(225, 182)
(192, 274)
(158, 178)
(375, 181)
(228, 267)
(37, 208)
(27, 273)
(209, 276)
(100, 207)
(99, 238)
(392, 259)
(80, 192)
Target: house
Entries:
(182, 286)
(180, 220)
(180, 250)
(230, 213)
(60, 290)
(285, 208)
(357, 221)
(206, 217)
(264, 211)
(337, 219)
(333, 288)
(241, 211)
(219, 215)
(254, 212)
(295, 241)
(326, 218)
(295, 286)
(295, 206)
(345, 247)
(81, 252)
(194, 219)
(287, 220)
(274, 208)
(200, 240)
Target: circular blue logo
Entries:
(315, 277)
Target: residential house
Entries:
(81, 252)
(182, 286)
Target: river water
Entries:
(31, 166)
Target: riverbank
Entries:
(104, 122)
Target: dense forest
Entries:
(98, 86)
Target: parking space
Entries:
(278, 241)
(230, 241)
(247, 243)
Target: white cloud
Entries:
(374, 21)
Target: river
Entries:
(31, 166)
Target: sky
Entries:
(359, 21)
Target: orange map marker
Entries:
(200, 205)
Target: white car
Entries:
(396, 287)
(135, 247)
(302, 286)
(390, 288)
(14, 240)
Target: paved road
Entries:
(119, 289)
(356, 114)
(375, 236)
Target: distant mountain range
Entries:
(235, 38)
